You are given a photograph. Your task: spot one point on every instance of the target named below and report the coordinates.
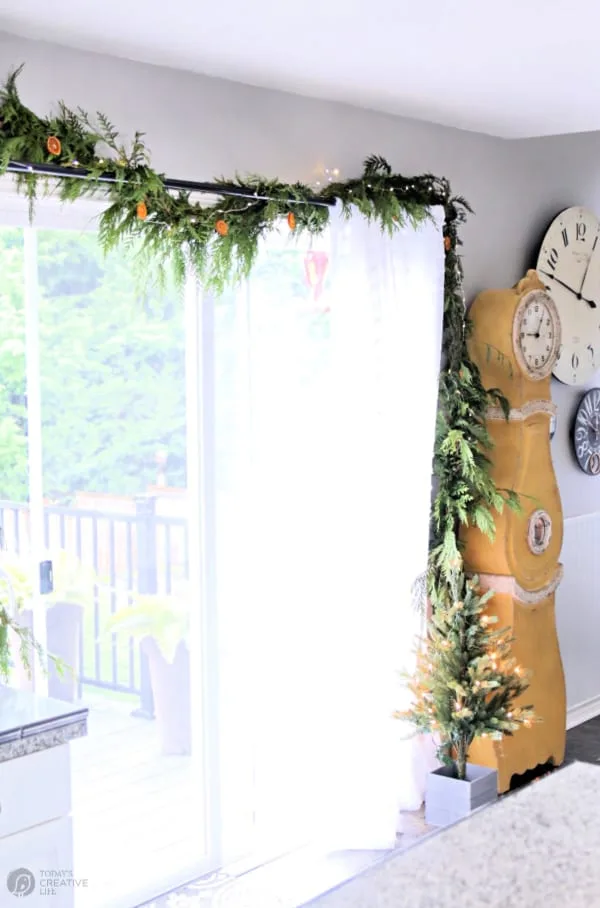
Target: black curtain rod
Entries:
(55, 170)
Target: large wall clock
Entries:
(569, 266)
(586, 433)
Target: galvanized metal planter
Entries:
(448, 799)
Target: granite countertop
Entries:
(538, 848)
(30, 723)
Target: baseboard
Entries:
(589, 709)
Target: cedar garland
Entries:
(221, 242)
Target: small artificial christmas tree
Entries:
(466, 681)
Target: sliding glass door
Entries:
(100, 425)
(183, 461)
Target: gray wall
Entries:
(200, 128)
(565, 170)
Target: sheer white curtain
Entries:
(339, 417)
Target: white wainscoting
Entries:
(578, 617)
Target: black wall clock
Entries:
(586, 433)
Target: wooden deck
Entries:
(138, 817)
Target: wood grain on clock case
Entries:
(524, 582)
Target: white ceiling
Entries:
(511, 68)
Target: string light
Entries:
(329, 175)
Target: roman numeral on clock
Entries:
(552, 260)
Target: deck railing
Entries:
(129, 553)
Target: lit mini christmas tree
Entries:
(466, 683)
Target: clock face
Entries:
(536, 334)
(569, 266)
(586, 433)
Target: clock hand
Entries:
(557, 281)
(590, 303)
(587, 268)
(589, 262)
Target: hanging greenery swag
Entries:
(221, 242)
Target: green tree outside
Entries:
(112, 371)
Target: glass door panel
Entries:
(14, 423)
(118, 518)
(272, 411)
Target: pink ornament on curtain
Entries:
(315, 268)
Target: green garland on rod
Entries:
(221, 241)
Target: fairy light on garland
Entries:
(328, 176)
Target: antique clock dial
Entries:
(569, 266)
(536, 334)
(586, 433)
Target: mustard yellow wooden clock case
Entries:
(516, 342)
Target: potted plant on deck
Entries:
(74, 592)
(74, 585)
(18, 645)
(466, 685)
(160, 622)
